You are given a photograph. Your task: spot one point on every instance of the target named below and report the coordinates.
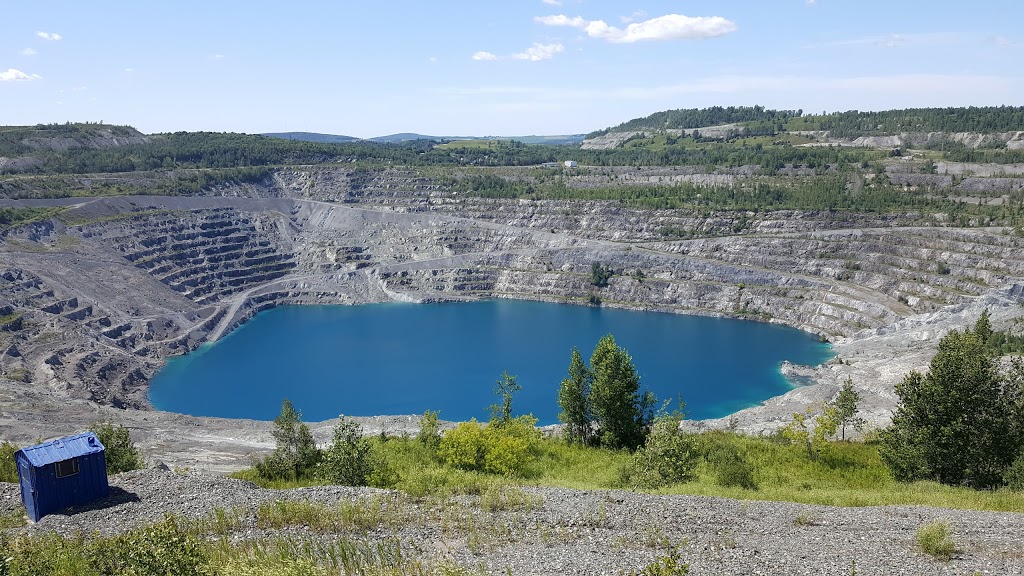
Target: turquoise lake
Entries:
(397, 358)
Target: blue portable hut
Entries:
(69, 471)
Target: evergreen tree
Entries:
(574, 398)
(846, 407)
(958, 423)
(622, 412)
(983, 327)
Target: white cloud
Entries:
(27, 52)
(49, 35)
(539, 52)
(1003, 42)
(15, 75)
(552, 2)
(561, 20)
(535, 53)
(668, 27)
(216, 56)
(129, 70)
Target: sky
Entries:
(509, 67)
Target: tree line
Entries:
(703, 117)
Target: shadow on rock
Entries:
(116, 497)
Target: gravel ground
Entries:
(586, 532)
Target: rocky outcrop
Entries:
(1010, 140)
(100, 304)
(100, 138)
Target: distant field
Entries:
(470, 144)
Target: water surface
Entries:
(399, 358)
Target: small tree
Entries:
(600, 274)
(668, 456)
(347, 460)
(505, 387)
(812, 432)
(846, 408)
(622, 412)
(574, 398)
(296, 454)
(960, 422)
(430, 431)
(120, 452)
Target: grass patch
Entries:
(501, 497)
(355, 516)
(845, 474)
(6, 319)
(182, 548)
(14, 217)
(936, 540)
(470, 145)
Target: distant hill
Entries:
(411, 136)
(312, 137)
(19, 140)
(560, 139)
(407, 136)
(993, 127)
(701, 118)
(555, 139)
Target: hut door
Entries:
(28, 489)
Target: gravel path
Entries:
(585, 532)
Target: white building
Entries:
(571, 164)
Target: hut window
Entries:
(67, 468)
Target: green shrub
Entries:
(121, 453)
(163, 549)
(505, 449)
(46, 554)
(347, 460)
(463, 446)
(8, 467)
(934, 540)
(737, 472)
(1013, 478)
(668, 456)
(731, 468)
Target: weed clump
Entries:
(935, 540)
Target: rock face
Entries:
(102, 138)
(96, 307)
(1010, 140)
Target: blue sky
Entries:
(514, 67)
